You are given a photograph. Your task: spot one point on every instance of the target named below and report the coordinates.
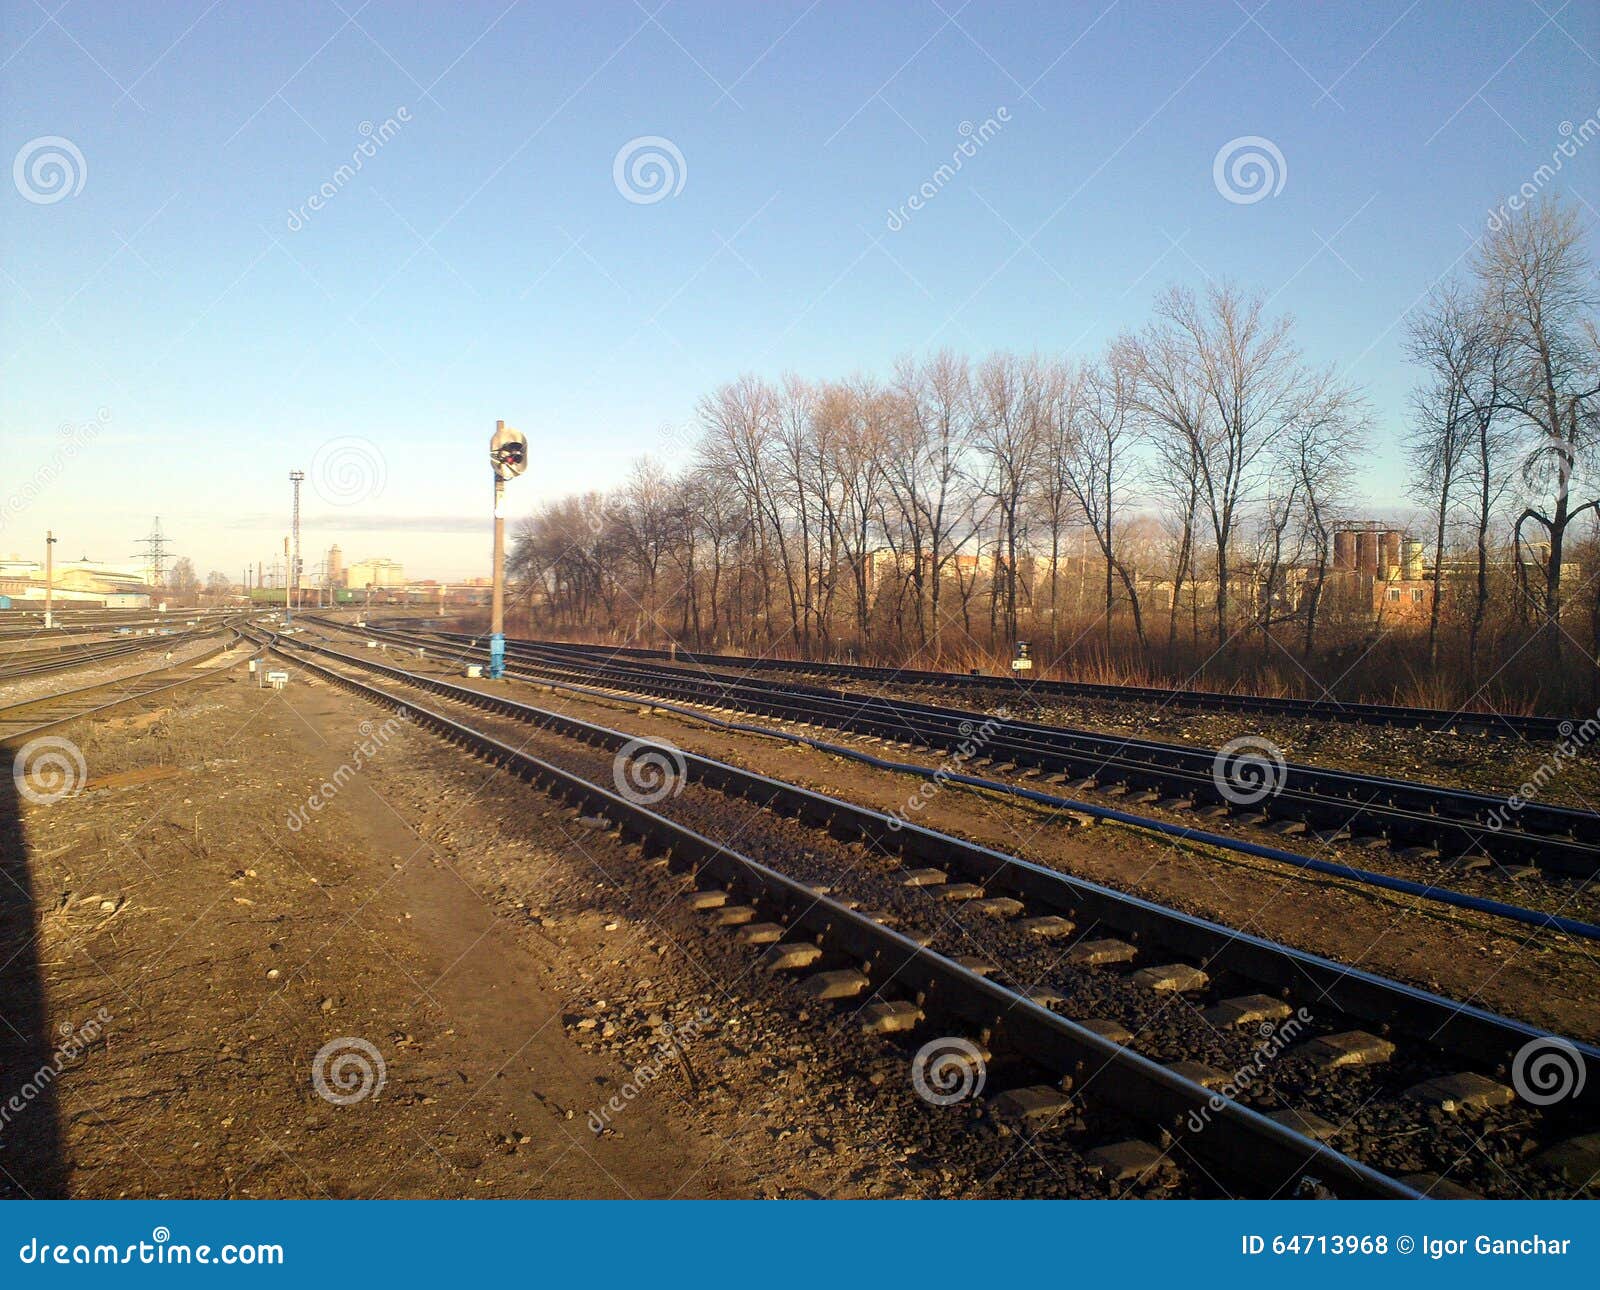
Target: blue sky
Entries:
(483, 262)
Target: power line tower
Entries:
(293, 594)
(155, 554)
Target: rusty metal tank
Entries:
(1366, 551)
(1393, 540)
(1344, 549)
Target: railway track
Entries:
(20, 625)
(20, 722)
(1440, 720)
(1104, 946)
(1418, 820)
(19, 665)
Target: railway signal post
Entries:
(508, 455)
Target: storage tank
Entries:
(1367, 551)
(1413, 556)
(1344, 549)
(1392, 541)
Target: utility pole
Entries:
(49, 578)
(293, 594)
(508, 456)
(155, 554)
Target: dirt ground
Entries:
(433, 982)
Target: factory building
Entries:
(1381, 570)
(377, 571)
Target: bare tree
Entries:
(1012, 402)
(1313, 457)
(1247, 371)
(1538, 285)
(1095, 439)
(928, 476)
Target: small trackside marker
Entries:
(885, 1017)
(1349, 1048)
(791, 955)
(841, 983)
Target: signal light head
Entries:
(508, 452)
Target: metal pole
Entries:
(292, 593)
(49, 577)
(497, 612)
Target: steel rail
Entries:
(1403, 813)
(12, 738)
(1458, 1028)
(1431, 892)
(1438, 720)
(1248, 1145)
(104, 651)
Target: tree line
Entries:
(1161, 508)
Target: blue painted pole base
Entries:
(497, 656)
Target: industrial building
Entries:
(82, 581)
(1381, 570)
(376, 571)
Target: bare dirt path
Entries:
(226, 950)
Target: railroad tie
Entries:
(840, 983)
(1036, 1107)
(1349, 1048)
(1246, 1009)
(998, 906)
(790, 956)
(890, 1017)
(1099, 953)
(1131, 1161)
(1465, 1091)
(1176, 978)
(1304, 1121)
(1049, 926)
